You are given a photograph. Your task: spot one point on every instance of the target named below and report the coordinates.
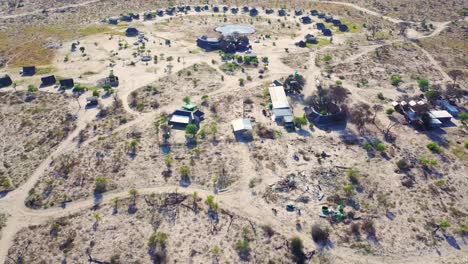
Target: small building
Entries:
(306, 20)
(253, 12)
(336, 22)
(181, 9)
(298, 12)
(448, 107)
(112, 80)
(343, 28)
(280, 105)
(48, 81)
(442, 115)
(190, 107)
(327, 32)
(206, 7)
(320, 26)
(208, 44)
(148, 16)
(131, 32)
(92, 101)
(269, 11)
(301, 44)
(278, 83)
(181, 118)
(28, 71)
(412, 117)
(170, 11)
(113, 21)
(126, 18)
(146, 58)
(5, 81)
(216, 9)
(314, 12)
(241, 125)
(198, 116)
(67, 83)
(311, 39)
(282, 13)
(329, 19)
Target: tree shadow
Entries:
(452, 241)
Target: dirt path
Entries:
(238, 199)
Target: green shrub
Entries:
(100, 185)
(427, 163)
(349, 190)
(353, 175)
(444, 224)
(243, 247)
(381, 96)
(158, 238)
(184, 172)
(396, 80)
(368, 146)
(390, 111)
(434, 147)
(381, 147)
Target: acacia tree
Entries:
(454, 74)
(360, 115)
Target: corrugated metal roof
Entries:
(241, 124)
(278, 97)
(180, 119)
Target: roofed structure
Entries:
(67, 83)
(29, 70)
(5, 81)
(48, 81)
(241, 125)
(278, 97)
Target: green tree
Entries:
(423, 84)
(300, 121)
(169, 160)
(191, 130)
(186, 100)
(297, 249)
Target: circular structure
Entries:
(230, 29)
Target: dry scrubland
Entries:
(403, 202)
(433, 10)
(450, 48)
(120, 233)
(32, 127)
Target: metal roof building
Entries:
(241, 124)
(278, 97)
